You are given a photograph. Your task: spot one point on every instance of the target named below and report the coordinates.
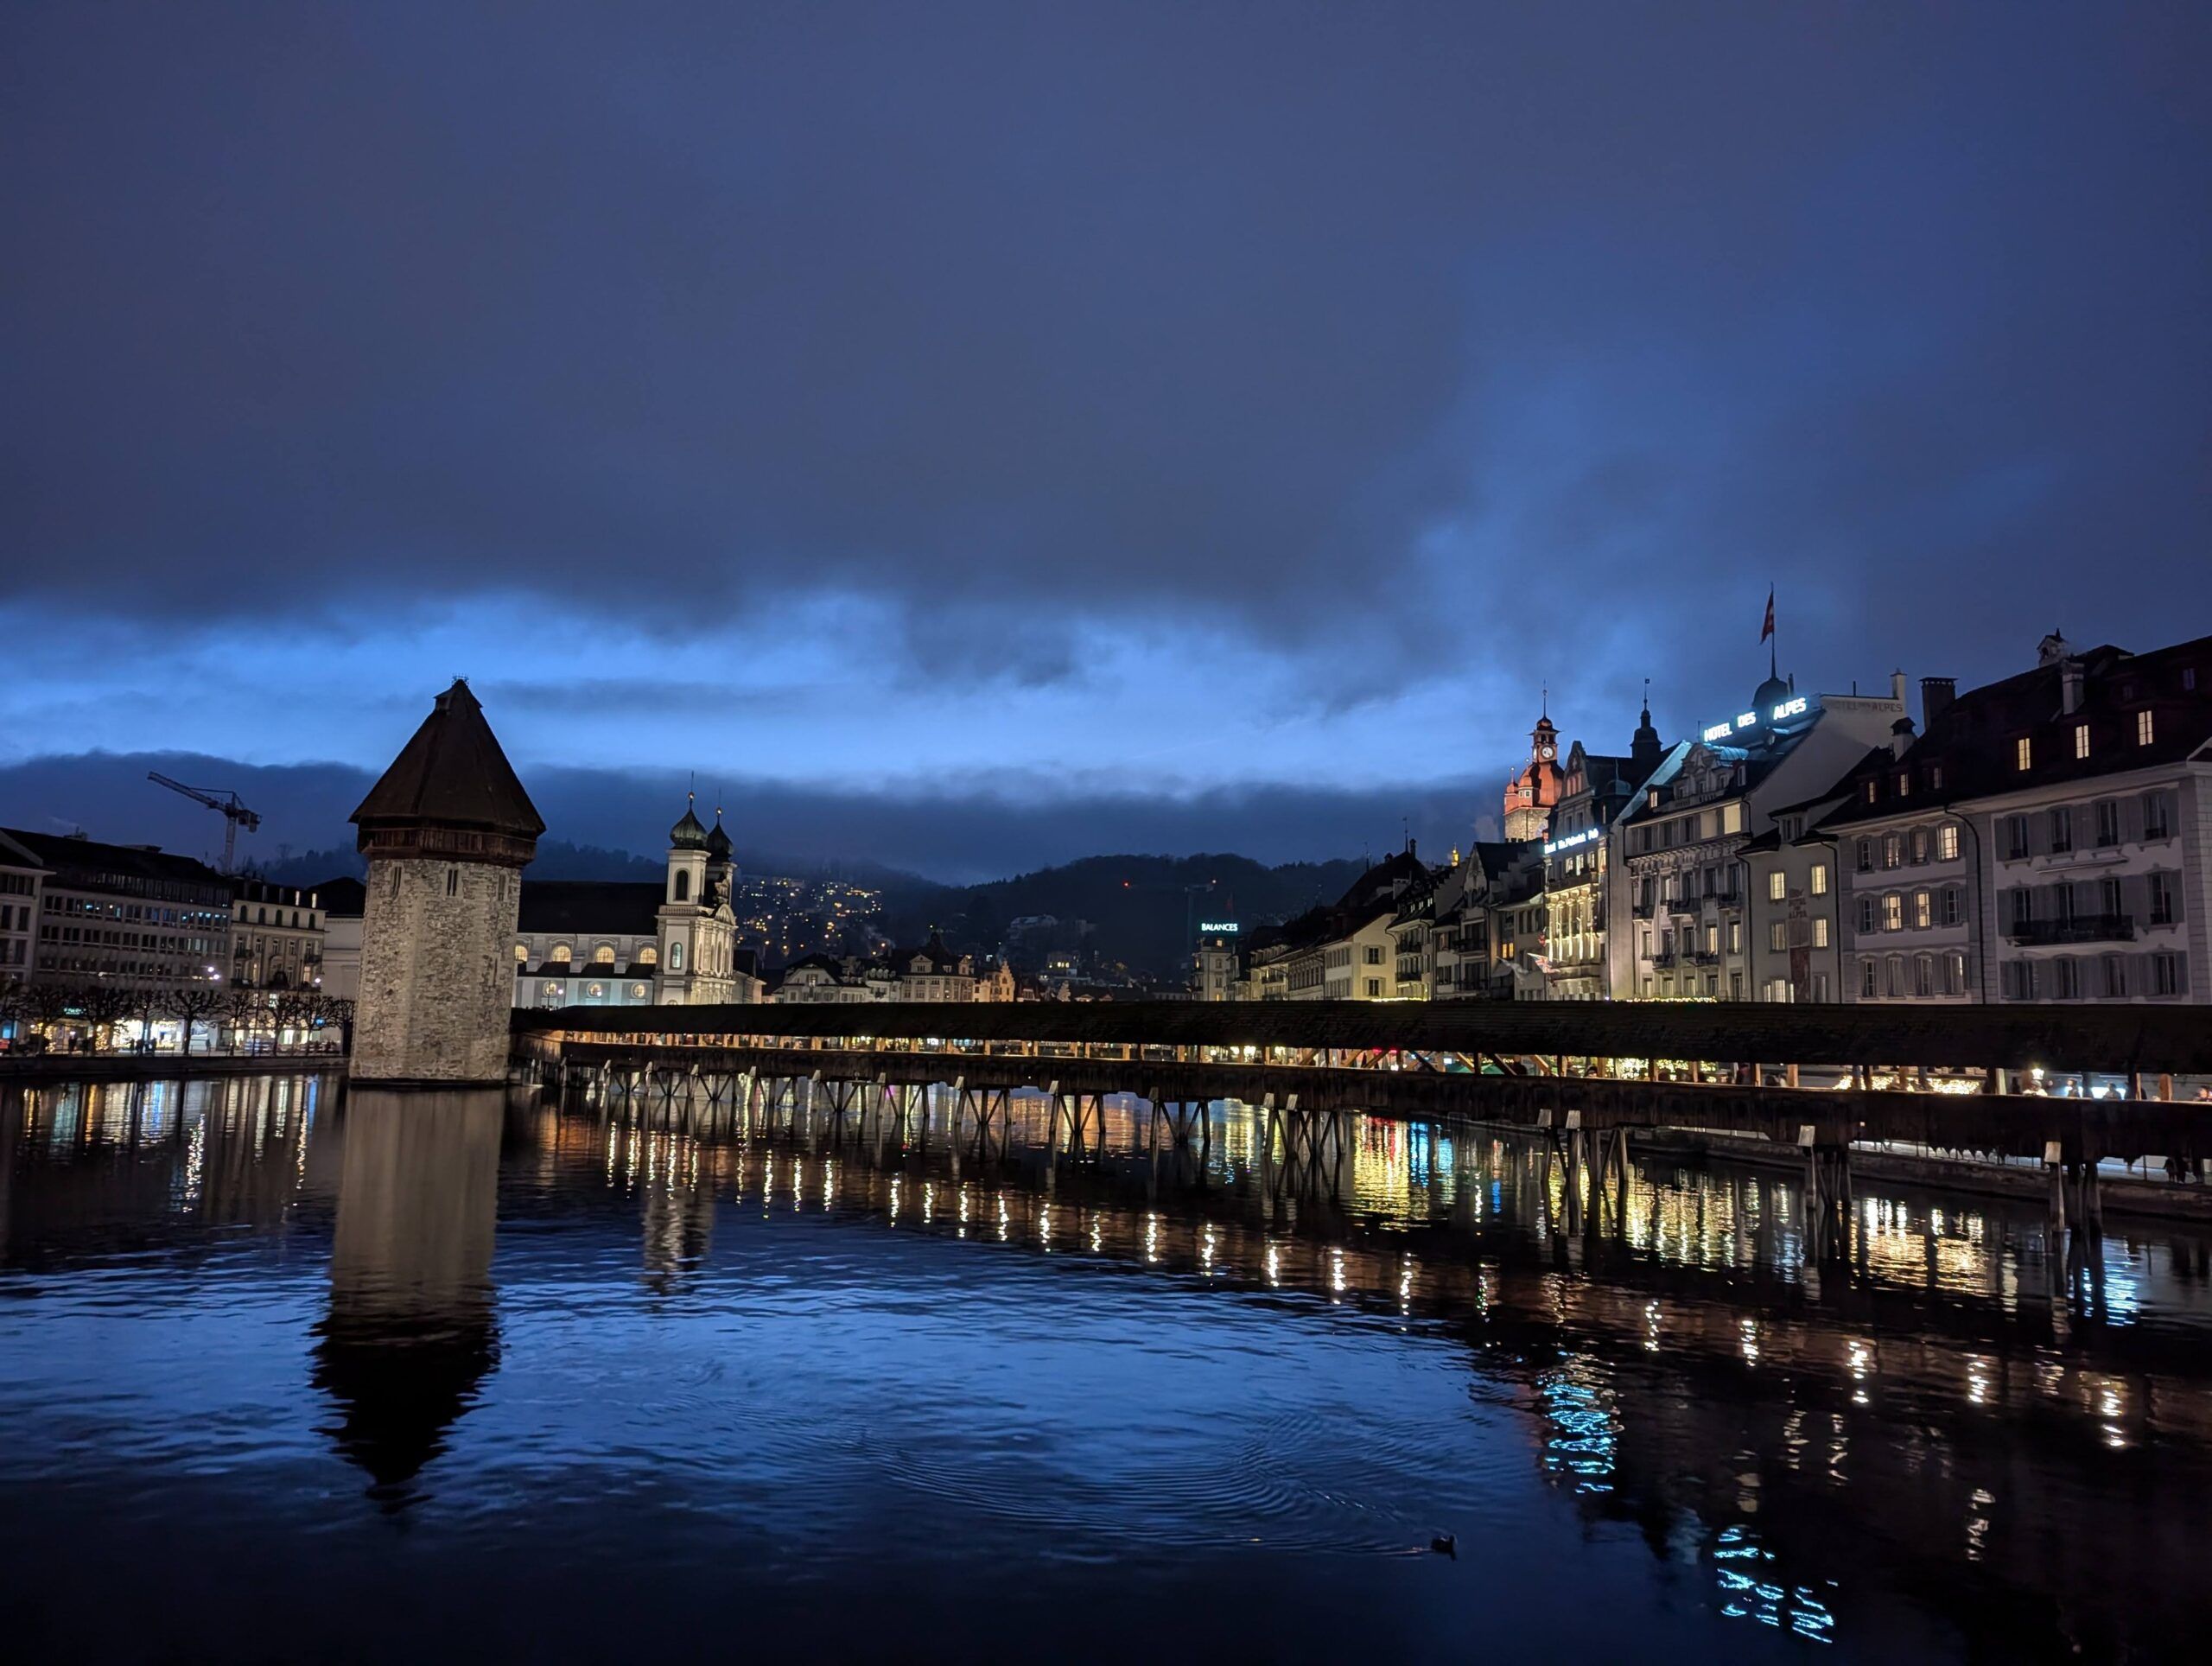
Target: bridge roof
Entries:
(2175, 1039)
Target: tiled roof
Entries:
(1974, 741)
(582, 907)
(63, 852)
(452, 773)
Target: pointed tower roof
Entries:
(718, 845)
(452, 774)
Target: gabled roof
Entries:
(452, 773)
(343, 897)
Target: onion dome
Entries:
(717, 841)
(687, 834)
(1771, 693)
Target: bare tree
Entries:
(105, 1006)
(193, 1003)
(244, 1010)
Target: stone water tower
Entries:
(447, 831)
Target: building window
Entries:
(1955, 973)
(2020, 980)
(1373, 988)
(1935, 777)
(603, 955)
(2115, 978)
(1778, 936)
(683, 888)
(1954, 904)
(2157, 818)
(1819, 879)
(452, 882)
(676, 957)
(2165, 974)
(1893, 850)
(522, 952)
(1712, 939)
(2061, 830)
(2081, 739)
(2024, 905)
(1919, 847)
(2016, 837)
(2108, 821)
(1870, 789)
(1923, 912)
(1867, 975)
(2162, 898)
(1866, 915)
(2023, 753)
(2143, 728)
(1947, 842)
(561, 954)
(1923, 976)
(2066, 978)
(1865, 855)
(1894, 983)
(1777, 887)
(1893, 913)
(1735, 937)
(1820, 930)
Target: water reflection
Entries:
(1955, 1434)
(410, 1333)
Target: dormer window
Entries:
(2144, 729)
(1904, 783)
(2024, 755)
(2081, 739)
(1873, 788)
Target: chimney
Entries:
(1900, 737)
(1937, 694)
(2069, 686)
(1897, 687)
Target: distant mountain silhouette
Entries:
(1141, 907)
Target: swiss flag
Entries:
(1767, 629)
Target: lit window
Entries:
(522, 951)
(1893, 913)
(2143, 728)
(648, 955)
(1923, 915)
(1775, 884)
(1870, 789)
(1820, 879)
(2023, 754)
(561, 953)
(1820, 931)
(1947, 842)
(2082, 741)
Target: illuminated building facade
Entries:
(1684, 844)
(133, 916)
(277, 936)
(22, 876)
(1579, 863)
(2044, 840)
(1530, 794)
(623, 943)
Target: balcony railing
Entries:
(2082, 928)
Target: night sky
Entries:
(971, 436)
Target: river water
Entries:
(287, 1373)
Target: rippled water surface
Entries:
(287, 1373)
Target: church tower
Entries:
(1644, 752)
(1530, 795)
(683, 907)
(448, 831)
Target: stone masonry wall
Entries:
(437, 977)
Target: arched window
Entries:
(603, 955)
(561, 953)
(522, 952)
(675, 957)
(683, 887)
(648, 955)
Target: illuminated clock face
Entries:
(1544, 753)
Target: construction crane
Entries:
(235, 815)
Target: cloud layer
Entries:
(844, 383)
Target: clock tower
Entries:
(1530, 795)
